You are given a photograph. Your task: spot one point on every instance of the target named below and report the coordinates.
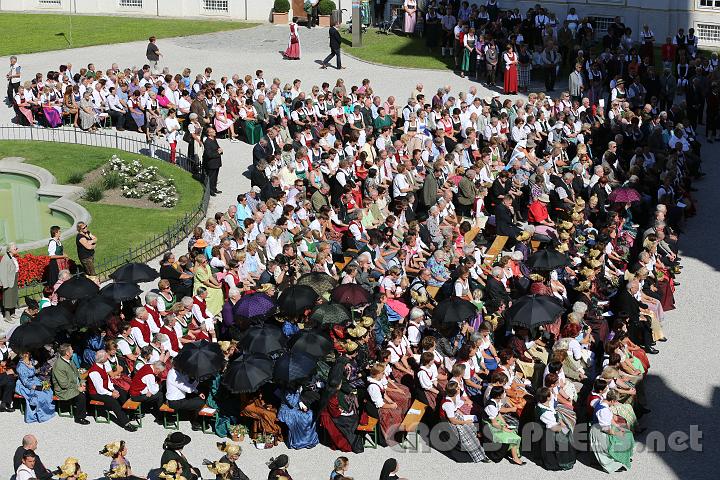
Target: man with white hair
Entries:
(101, 388)
(201, 314)
(495, 291)
(144, 387)
(228, 310)
(173, 333)
(141, 329)
(151, 305)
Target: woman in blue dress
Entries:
(302, 431)
(38, 402)
(93, 343)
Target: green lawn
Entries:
(395, 50)
(30, 33)
(118, 228)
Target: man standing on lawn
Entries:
(153, 54)
(13, 77)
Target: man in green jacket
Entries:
(67, 386)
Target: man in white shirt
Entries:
(139, 325)
(101, 388)
(26, 470)
(182, 395)
(13, 77)
(145, 388)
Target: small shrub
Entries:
(94, 193)
(281, 6)
(112, 180)
(326, 7)
(75, 177)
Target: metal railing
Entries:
(148, 248)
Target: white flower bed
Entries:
(139, 181)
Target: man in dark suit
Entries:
(30, 443)
(212, 160)
(335, 42)
(504, 223)
(495, 292)
(261, 151)
(640, 328)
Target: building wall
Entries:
(663, 16)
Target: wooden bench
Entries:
(341, 265)
(495, 249)
(409, 425)
(370, 432)
(98, 406)
(432, 290)
(167, 411)
(136, 409)
(205, 415)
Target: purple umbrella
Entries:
(254, 306)
(624, 195)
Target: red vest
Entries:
(103, 374)
(170, 332)
(154, 314)
(137, 385)
(202, 304)
(443, 413)
(144, 328)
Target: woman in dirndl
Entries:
(524, 68)
(58, 259)
(611, 443)
(463, 425)
(293, 50)
(555, 445)
(380, 405)
(500, 432)
(510, 85)
(410, 8)
(469, 55)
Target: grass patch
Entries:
(94, 193)
(112, 180)
(397, 51)
(118, 228)
(30, 33)
(75, 177)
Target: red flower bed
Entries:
(32, 268)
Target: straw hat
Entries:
(525, 235)
(358, 331)
(201, 243)
(583, 286)
(229, 448)
(366, 322)
(71, 468)
(350, 346)
(111, 449)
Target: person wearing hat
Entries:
(172, 470)
(70, 470)
(232, 453)
(219, 469)
(119, 465)
(538, 215)
(278, 468)
(172, 452)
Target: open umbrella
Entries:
(454, 310)
(254, 306)
(330, 313)
(30, 336)
(120, 291)
(293, 366)
(55, 318)
(77, 288)
(547, 260)
(318, 281)
(624, 195)
(248, 372)
(135, 272)
(94, 312)
(312, 342)
(296, 299)
(200, 359)
(534, 310)
(264, 339)
(350, 294)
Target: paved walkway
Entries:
(683, 381)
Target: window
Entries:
(602, 24)
(215, 5)
(130, 3)
(708, 32)
(709, 3)
(50, 3)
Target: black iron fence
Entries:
(145, 249)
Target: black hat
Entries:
(176, 441)
(278, 462)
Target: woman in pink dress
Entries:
(223, 122)
(293, 50)
(511, 71)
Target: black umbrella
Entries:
(312, 342)
(331, 313)
(120, 291)
(94, 312)
(200, 359)
(296, 299)
(454, 310)
(55, 318)
(318, 281)
(135, 273)
(77, 288)
(248, 372)
(547, 260)
(264, 339)
(30, 336)
(350, 294)
(534, 310)
(293, 366)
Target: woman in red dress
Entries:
(293, 50)
(511, 71)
